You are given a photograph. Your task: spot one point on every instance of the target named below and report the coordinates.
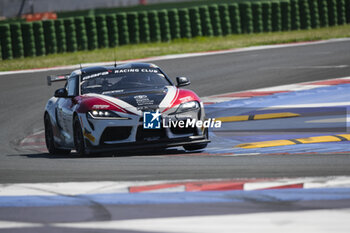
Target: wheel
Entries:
(79, 141)
(50, 143)
(198, 146)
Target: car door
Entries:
(65, 110)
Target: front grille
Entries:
(116, 133)
(184, 130)
(149, 134)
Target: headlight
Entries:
(188, 106)
(104, 114)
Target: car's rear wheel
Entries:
(50, 143)
(79, 141)
(198, 146)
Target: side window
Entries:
(72, 86)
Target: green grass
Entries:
(175, 47)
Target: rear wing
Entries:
(56, 78)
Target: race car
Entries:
(126, 107)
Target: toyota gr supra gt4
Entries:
(124, 107)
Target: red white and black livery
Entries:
(103, 108)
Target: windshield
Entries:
(120, 80)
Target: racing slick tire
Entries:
(198, 146)
(49, 140)
(79, 141)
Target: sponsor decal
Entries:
(95, 75)
(143, 100)
(138, 97)
(97, 106)
(122, 71)
(88, 135)
(186, 99)
(112, 92)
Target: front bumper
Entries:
(112, 135)
(135, 146)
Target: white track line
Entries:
(12, 225)
(180, 56)
(313, 105)
(289, 87)
(310, 221)
(303, 86)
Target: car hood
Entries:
(145, 99)
(137, 101)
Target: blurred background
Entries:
(13, 8)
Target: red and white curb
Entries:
(178, 56)
(243, 184)
(105, 187)
(274, 90)
(324, 220)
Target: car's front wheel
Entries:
(50, 143)
(79, 141)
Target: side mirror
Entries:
(61, 93)
(182, 81)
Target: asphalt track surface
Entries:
(23, 98)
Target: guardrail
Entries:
(91, 32)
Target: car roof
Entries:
(96, 69)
